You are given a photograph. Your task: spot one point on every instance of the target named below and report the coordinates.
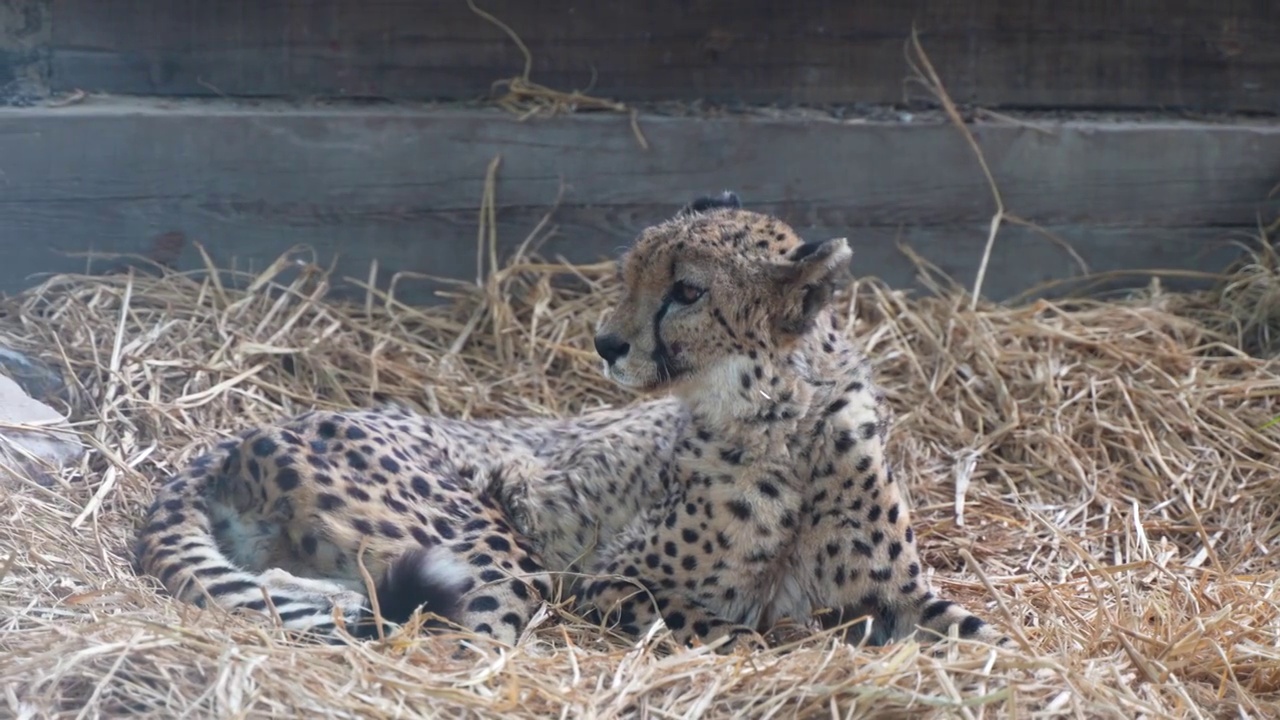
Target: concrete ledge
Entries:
(403, 185)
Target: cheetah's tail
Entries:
(178, 546)
(418, 579)
(937, 615)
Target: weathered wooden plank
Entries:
(315, 166)
(35, 236)
(1018, 53)
(404, 185)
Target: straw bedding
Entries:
(1095, 473)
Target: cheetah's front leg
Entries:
(659, 568)
(633, 605)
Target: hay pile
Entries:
(1095, 473)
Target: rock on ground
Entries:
(34, 438)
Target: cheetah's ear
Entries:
(726, 199)
(806, 281)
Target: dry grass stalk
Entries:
(526, 98)
(1097, 466)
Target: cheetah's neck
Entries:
(773, 396)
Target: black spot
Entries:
(520, 590)
(913, 569)
(689, 535)
(767, 488)
(868, 430)
(881, 574)
(327, 430)
(838, 405)
(670, 549)
(264, 447)
(832, 549)
(701, 628)
(356, 493)
(746, 381)
(862, 548)
(869, 482)
(895, 549)
(287, 479)
(329, 501)
(498, 544)
(689, 562)
(675, 621)
(864, 464)
(892, 515)
(421, 536)
(845, 442)
(910, 535)
(355, 433)
(481, 560)
(874, 513)
(740, 509)
(362, 526)
(390, 529)
(309, 544)
(652, 560)
(389, 464)
(443, 528)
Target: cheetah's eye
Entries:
(686, 294)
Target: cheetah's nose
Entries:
(611, 347)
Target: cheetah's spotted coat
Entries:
(756, 490)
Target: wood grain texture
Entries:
(442, 244)
(404, 186)
(1219, 56)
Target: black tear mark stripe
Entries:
(661, 353)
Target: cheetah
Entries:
(751, 486)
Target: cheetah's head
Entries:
(709, 291)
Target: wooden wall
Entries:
(222, 122)
(1195, 54)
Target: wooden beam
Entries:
(1123, 54)
(403, 185)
